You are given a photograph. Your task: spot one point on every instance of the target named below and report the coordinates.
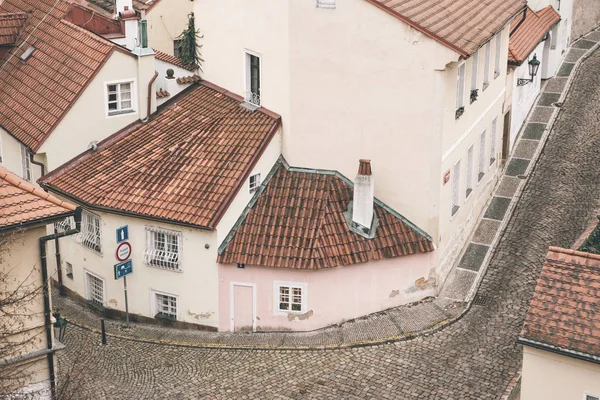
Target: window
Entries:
(469, 171)
(177, 43)
(165, 305)
(460, 86)
(290, 297)
(119, 98)
(253, 78)
(493, 141)
(163, 248)
(254, 182)
(474, 71)
(326, 3)
(486, 67)
(498, 53)
(91, 233)
(69, 269)
(455, 187)
(481, 156)
(95, 289)
(25, 164)
(64, 225)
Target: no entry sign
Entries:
(123, 251)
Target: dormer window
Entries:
(119, 97)
(254, 183)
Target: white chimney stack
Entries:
(364, 191)
(121, 4)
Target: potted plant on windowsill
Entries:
(459, 112)
(474, 95)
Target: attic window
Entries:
(254, 183)
(27, 53)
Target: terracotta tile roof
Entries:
(462, 25)
(188, 79)
(10, 27)
(565, 309)
(36, 94)
(21, 202)
(107, 7)
(173, 60)
(162, 93)
(530, 33)
(184, 165)
(296, 220)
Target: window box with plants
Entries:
(474, 95)
(459, 112)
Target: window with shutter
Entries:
(253, 78)
(25, 164)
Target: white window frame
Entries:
(26, 172)
(486, 67)
(497, 64)
(455, 187)
(474, 70)
(460, 85)
(163, 257)
(120, 112)
(91, 240)
(493, 139)
(482, 164)
(325, 3)
(254, 183)
(154, 306)
(87, 275)
(470, 162)
(303, 302)
(249, 97)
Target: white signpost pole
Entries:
(126, 303)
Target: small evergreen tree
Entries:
(190, 48)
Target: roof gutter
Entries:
(559, 350)
(46, 292)
(520, 23)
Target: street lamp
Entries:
(534, 65)
(60, 325)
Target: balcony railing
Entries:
(253, 98)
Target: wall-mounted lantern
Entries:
(534, 65)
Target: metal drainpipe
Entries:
(520, 23)
(47, 309)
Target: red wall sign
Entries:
(446, 177)
(123, 251)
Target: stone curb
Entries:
(439, 325)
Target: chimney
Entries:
(364, 190)
(123, 5)
(146, 75)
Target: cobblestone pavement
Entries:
(474, 358)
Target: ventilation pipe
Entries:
(364, 192)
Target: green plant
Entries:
(592, 243)
(190, 48)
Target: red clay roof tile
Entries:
(184, 165)
(462, 25)
(10, 27)
(188, 79)
(21, 202)
(565, 308)
(298, 222)
(162, 93)
(37, 93)
(530, 33)
(173, 60)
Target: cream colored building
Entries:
(357, 79)
(561, 355)
(27, 364)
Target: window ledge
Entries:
(480, 176)
(492, 161)
(119, 112)
(455, 210)
(70, 276)
(149, 264)
(469, 191)
(485, 86)
(496, 74)
(167, 317)
(459, 112)
(95, 305)
(249, 106)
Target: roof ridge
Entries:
(555, 249)
(22, 184)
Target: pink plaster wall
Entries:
(334, 295)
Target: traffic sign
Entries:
(123, 269)
(123, 251)
(122, 234)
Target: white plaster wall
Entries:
(381, 285)
(87, 120)
(241, 200)
(552, 376)
(170, 85)
(351, 82)
(10, 148)
(196, 285)
(166, 21)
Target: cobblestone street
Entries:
(477, 357)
